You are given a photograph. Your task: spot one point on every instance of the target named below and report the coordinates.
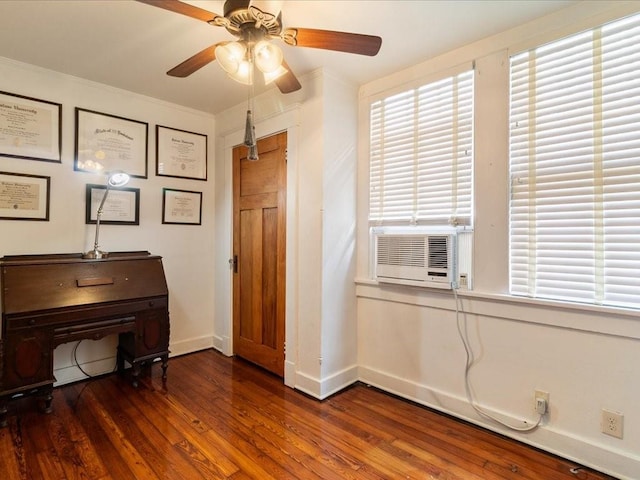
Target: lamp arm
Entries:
(98, 215)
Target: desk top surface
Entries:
(72, 258)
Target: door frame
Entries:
(289, 121)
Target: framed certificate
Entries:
(181, 207)
(121, 207)
(105, 143)
(30, 128)
(24, 197)
(180, 153)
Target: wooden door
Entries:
(259, 220)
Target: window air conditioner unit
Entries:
(427, 260)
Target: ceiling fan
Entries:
(254, 26)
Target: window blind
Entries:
(421, 154)
(575, 168)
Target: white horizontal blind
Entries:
(421, 155)
(575, 168)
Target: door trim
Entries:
(289, 121)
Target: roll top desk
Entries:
(48, 300)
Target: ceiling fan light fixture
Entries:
(268, 56)
(243, 73)
(231, 56)
(253, 21)
(271, 76)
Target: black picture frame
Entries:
(122, 206)
(24, 196)
(181, 207)
(181, 154)
(107, 143)
(30, 128)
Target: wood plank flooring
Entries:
(223, 418)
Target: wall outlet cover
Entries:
(612, 423)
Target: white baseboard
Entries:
(191, 345)
(72, 373)
(326, 387)
(290, 374)
(223, 345)
(561, 443)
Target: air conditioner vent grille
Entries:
(408, 251)
(438, 251)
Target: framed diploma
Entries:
(105, 143)
(24, 197)
(30, 128)
(121, 207)
(181, 207)
(180, 153)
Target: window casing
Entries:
(575, 168)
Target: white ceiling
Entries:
(130, 45)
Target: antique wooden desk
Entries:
(48, 300)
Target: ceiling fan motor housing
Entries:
(240, 16)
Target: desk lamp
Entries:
(115, 179)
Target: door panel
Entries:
(269, 277)
(259, 193)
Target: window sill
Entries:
(588, 318)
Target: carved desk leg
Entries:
(45, 400)
(135, 373)
(3, 400)
(119, 360)
(3, 411)
(165, 364)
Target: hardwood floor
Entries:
(220, 417)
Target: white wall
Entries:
(308, 314)
(187, 250)
(339, 328)
(408, 338)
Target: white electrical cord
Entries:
(469, 364)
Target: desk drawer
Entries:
(93, 330)
(82, 315)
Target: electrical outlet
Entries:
(541, 401)
(464, 283)
(612, 423)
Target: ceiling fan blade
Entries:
(288, 82)
(183, 8)
(196, 62)
(330, 40)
